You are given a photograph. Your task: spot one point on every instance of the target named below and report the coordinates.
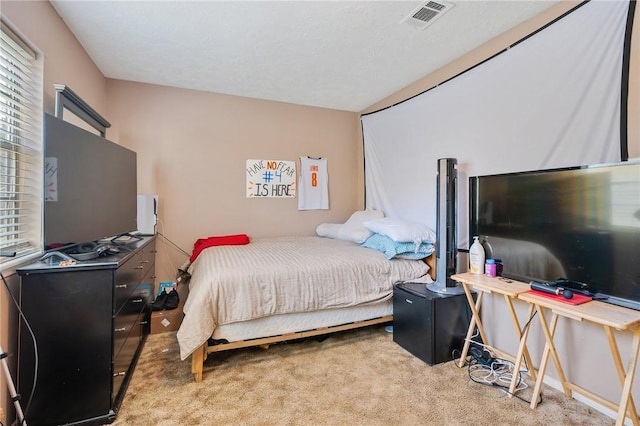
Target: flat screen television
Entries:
(579, 224)
(90, 186)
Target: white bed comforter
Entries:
(282, 275)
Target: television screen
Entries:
(579, 224)
(90, 186)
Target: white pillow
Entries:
(353, 229)
(402, 231)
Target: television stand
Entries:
(610, 317)
(90, 321)
(482, 285)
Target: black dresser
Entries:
(90, 322)
(429, 325)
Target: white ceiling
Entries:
(344, 55)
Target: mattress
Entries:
(285, 275)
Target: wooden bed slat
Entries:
(200, 355)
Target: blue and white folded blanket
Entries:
(402, 250)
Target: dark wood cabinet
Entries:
(89, 322)
(429, 325)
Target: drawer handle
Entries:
(145, 261)
(121, 285)
(139, 267)
(144, 323)
(408, 301)
(136, 301)
(120, 330)
(122, 373)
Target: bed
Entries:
(285, 288)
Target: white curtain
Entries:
(552, 100)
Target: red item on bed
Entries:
(577, 299)
(225, 240)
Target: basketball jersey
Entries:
(313, 184)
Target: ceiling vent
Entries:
(425, 14)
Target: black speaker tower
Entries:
(446, 244)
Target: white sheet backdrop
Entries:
(552, 100)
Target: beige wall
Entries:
(582, 347)
(192, 149)
(66, 61)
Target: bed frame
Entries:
(199, 356)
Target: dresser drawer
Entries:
(148, 255)
(125, 321)
(149, 277)
(123, 359)
(126, 279)
(128, 316)
(146, 259)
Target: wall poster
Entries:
(271, 179)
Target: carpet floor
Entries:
(359, 377)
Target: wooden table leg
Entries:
(522, 349)
(549, 333)
(519, 333)
(549, 348)
(626, 400)
(475, 320)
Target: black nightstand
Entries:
(427, 324)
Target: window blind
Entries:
(21, 146)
